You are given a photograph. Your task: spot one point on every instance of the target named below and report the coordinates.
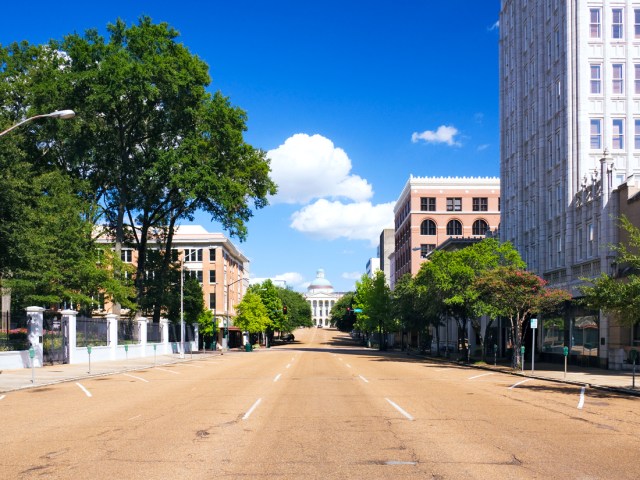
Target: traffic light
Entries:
(284, 309)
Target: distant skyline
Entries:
(348, 98)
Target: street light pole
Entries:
(225, 337)
(182, 310)
(64, 114)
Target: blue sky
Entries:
(348, 97)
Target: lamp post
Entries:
(225, 337)
(182, 309)
(64, 114)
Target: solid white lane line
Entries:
(581, 402)
(520, 383)
(87, 392)
(288, 365)
(397, 407)
(189, 365)
(253, 407)
(363, 379)
(137, 378)
(483, 375)
(277, 377)
(348, 365)
(2, 396)
(170, 371)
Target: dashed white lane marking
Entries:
(581, 402)
(137, 378)
(397, 407)
(2, 396)
(87, 392)
(277, 377)
(253, 407)
(520, 383)
(133, 418)
(348, 365)
(288, 365)
(170, 371)
(363, 379)
(483, 375)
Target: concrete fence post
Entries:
(142, 330)
(164, 325)
(35, 333)
(72, 336)
(112, 334)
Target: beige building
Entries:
(321, 299)
(431, 210)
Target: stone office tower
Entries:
(570, 136)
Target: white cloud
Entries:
(292, 278)
(309, 167)
(444, 134)
(352, 275)
(495, 26)
(482, 147)
(353, 221)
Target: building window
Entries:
(617, 70)
(596, 134)
(426, 249)
(636, 134)
(594, 23)
(428, 227)
(454, 227)
(428, 204)
(617, 138)
(596, 79)
(126, 256)
(480, 204)
(212, 254)
(212, 301)
(559, 256)
(480, 227)
(636, 78)
(193, 255)
(454, 204)
(616, 23)
(212, 276)
(636, 23)
(580, 241)
(197, 274)
(590, 239)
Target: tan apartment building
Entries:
(219, 266)
(431, 210)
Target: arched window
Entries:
(480, 227)
(454, 227)
(428, 227)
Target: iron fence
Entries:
(91, 331)
(128, 332)
(13, 335)
(154, 333)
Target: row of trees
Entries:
(149, 146)
(487, 278)
(267, 308)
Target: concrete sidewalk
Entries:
(19, 379)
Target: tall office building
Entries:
(570, 136)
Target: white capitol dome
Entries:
(320, 284)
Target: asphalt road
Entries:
(317, 408)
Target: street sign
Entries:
(566, 351)
(357, 310)
(534, 323)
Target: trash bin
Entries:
(247, 347)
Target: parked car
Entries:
(287, 337)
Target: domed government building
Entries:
(321, 298)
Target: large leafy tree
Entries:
(298, 310)
(253, 315)
(150, 139)
(412, 307)
(517, 294)
(342, 314)
(270, 298)
(373, 297)
(47, 253)
(619, 296)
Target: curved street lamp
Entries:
(64, 114)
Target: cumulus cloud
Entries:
(444, 134)
(353, 221)
(292, 278)
(308, 167)
(495, 26)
